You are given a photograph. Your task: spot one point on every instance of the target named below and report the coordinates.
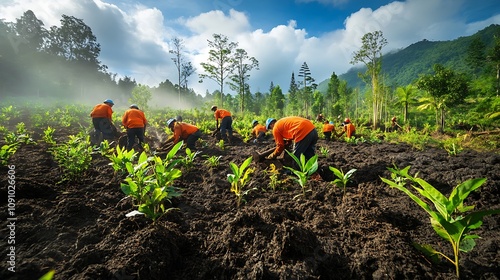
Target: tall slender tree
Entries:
(370, 54)
(333, 96)
(308, 87)
(220, 63)
(293, 91)
(243, 64)
(178, 59)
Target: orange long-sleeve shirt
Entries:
(290, 128)
(134, 118)
(102, 111)
(182, 131)
(327, 127)
(221, 113)
(258, 128)
(349, 129)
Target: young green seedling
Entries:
(74, 156)
(449, 219)
(213, 161)
(342, 178)
(6, 151)
(120, 159)
(324, 151)
(48, 135)
(239, 179)
(189, 158)
(274, 181)
(306, 169)
(150, 183)
(221, 144)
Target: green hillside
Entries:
(404, 66)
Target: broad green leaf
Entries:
(467, 244)
(460, 193)
(234, 168)
(474, 220)
(174, 150)
(415, 198)
(440, 229)
(245, 164)
(440, 201)
(428, 251)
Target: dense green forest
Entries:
(452, 84)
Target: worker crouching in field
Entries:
(184, 131)
(226, 123)
(328, 130)
(135, 122)
(300, 130)
(258, 132)
(102, 119)
(348, 128)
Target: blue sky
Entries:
(135, 35)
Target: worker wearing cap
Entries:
(185, 132)
(258, 132)
(226, 123)
(300, 130)
(349, 129)
(135, 122)
(328, 129)
(102, 119)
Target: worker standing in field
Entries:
(349, 129)
(102, 119)
(328, 129)
(185, 132)
(135, 122)
(226, 123)
(297, 129)
(258, 132)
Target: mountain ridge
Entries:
(403, 66)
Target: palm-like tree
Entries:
(405, 98)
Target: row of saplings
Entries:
(150, 179)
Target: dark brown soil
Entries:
(79, 228)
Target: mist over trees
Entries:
(63, 64)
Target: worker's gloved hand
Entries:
(271, 156)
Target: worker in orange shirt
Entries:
(102, 119)
(135, 122)
(299, 130)
(226, 123)
(258, 131)
(328, 129)
(184, 131)
(349, 129)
